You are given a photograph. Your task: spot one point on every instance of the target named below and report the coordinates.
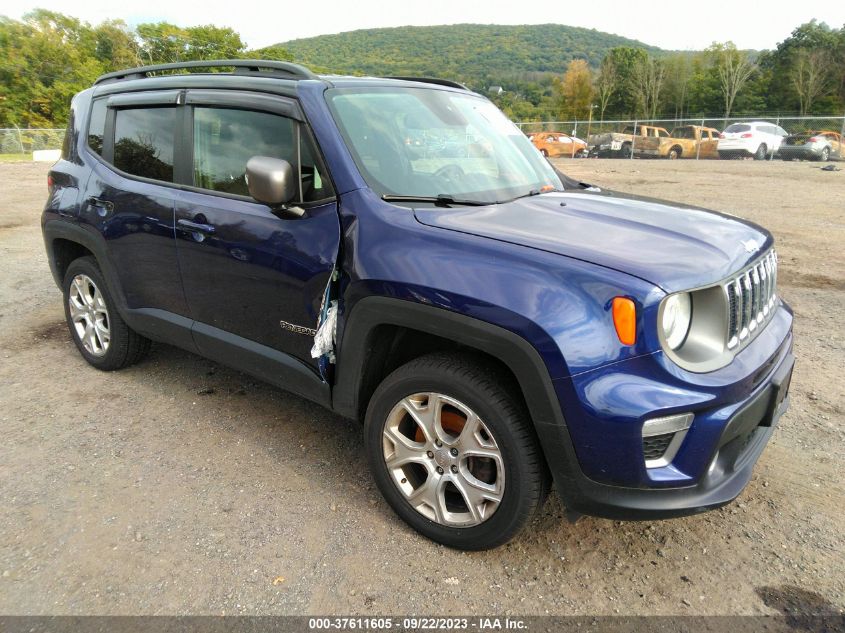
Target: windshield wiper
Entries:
(442, 200)
(535, 192)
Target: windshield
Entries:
(424, 142)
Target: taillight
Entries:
(747, 135)
(814, 139)
(722, 135)
(49, 183)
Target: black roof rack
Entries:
(285, 69)
(433, 80)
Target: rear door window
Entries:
(143, 142)
(737, 128)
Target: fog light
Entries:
(662, 437)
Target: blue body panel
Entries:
(546, 269)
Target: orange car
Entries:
(557, 144)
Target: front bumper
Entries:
(600, 468)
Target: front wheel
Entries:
(453, 452)
(825, 155)
(674, 153)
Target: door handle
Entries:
(104, 206)
(196, 227)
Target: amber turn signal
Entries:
(625, 320)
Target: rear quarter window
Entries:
(68, 139)
(97, 126)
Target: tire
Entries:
(825, 155)
(99, 332)
(761, 152)
(626, 150)
(674, 153)
(517, 479)
(545, 152)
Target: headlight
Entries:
(677, 313)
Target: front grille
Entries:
(751, 299)
(654, 447)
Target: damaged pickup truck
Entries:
(622, 144)
(494, 325)
(687, 141)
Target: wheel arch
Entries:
(382, 333)
(369, 334)
(64, 252)
(66, 242)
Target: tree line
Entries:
(804, 75)
(46, 57)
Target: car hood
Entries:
(673, 246)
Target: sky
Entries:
(669, 24)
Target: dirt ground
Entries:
(182, 487)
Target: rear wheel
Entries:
(626, 150)
(100, 334)
(825, 155)
(674, 153)
(545, 152)
(761, 152)
(453, 452)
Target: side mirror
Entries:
(271, 181)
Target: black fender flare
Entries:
(57, 229)
(515, 352)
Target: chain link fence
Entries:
(589, 128)
(25, 141)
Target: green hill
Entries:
(476, 54)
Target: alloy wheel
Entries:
(89, 315)
(443, 459)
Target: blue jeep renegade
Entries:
(397, 251)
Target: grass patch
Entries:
(13, 158)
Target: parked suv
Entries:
(759, 139)
(495, 325)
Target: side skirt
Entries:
(265, 363)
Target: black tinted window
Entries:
(97, 126)
(68, 136)
(225, 139)
(143, 142)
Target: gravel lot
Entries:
(179, 486)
